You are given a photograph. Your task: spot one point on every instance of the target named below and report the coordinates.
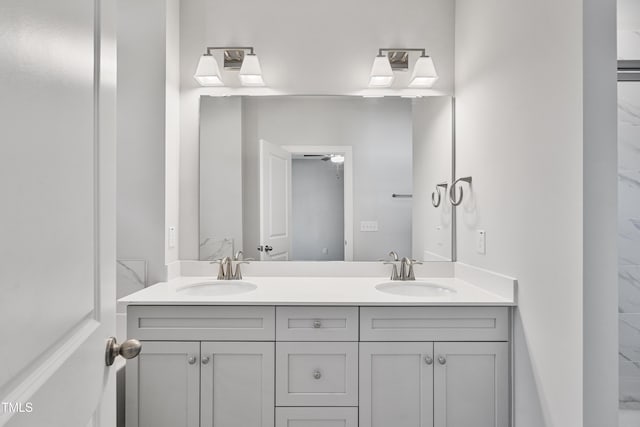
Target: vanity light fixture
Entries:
(381, 72)
(251, 72)
(397, 59)
(424, 72)
(207, 72)
(235, 58)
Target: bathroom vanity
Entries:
(319, 352)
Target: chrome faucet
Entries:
(238, 258)
(406, 269)
(226, 271)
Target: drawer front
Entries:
(316, 417)
(434, 324)
(201, 323)
(317, 374)
(317, 323)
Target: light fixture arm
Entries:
(245, 48)
(422, 51)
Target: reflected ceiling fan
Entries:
(323, 157)
(335, 158)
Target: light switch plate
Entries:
(481, 242)
(172, 237)
(368, 226)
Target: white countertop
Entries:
(307, 290)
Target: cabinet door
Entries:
(471, 385)
(396, 384)
(237, 384)
(163, 385)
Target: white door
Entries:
(275, 202)
(237, 388)
(396, 384)
(57, 220)
(471, 384)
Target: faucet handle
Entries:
(394, 269)
(237, 275)
(394, 255)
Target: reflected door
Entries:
(275, 202)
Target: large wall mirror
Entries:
(325, 178)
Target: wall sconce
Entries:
(235, 58)
(397, 59)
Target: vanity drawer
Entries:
(316, 374)
(434, 324)
(201, 323)
(316, 417)
(317, 323)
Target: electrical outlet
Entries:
(481, 242)
(368, 226)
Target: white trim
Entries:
(347, 152)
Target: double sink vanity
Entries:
(322, 345)
(322, 341)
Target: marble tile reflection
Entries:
(131, 276)
(213, 248)
(628, 44)
(629, 385)
(629, 289)
(629, 330)
(628, 217)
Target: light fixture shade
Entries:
(424, 73)
(381, 72)
(251, 72)
(208, 73)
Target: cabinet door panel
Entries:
(396, 384)
(471, 387)
(237, 384)
(162, 386)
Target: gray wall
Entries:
(141, 109)
(379, 130)
(220, 177)
(542, 157)
(318, 210)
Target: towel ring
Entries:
(435, 202)
(452, 190)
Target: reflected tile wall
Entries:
(213, 248)
(629, 241)
(131, 276)
(629, 385)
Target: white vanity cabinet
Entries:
(294, 366)
(226, 378)
(443, 382)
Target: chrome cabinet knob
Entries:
(317, 374)
(205, 360)
(128, 349)
(428, 360)
(442, 360)
(317, 324)
(191, 360)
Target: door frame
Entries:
(347, 152)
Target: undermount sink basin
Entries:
(414, 288)
(218, 288)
